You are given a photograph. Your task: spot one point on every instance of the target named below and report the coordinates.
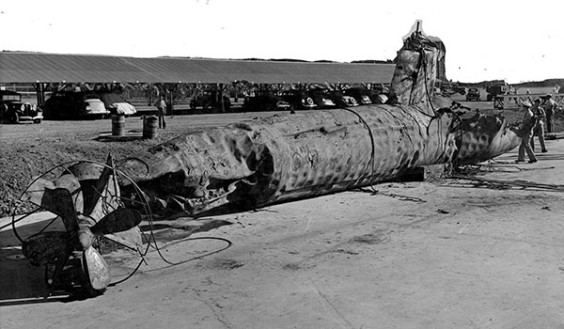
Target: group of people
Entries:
(536, 116)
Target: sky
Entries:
(485, 39)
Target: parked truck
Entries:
(447, 88)
(495, 88)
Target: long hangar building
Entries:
(56, 70)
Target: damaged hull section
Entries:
(483, 137)
(292, 156)
(288, 157)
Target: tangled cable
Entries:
(139, 200)
(500, 184)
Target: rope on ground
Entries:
(500, 184)
(392, 195)
(476, 169)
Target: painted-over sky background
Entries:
(512, 40)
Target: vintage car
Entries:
(299, 100)
(343, 100)
(266, 102)
(67, 105)
(210, 101)
(447, 89)
(322, 99)
(362, 96)
(116, 104)
(13, 110)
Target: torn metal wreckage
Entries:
(268, 160)
(291, 156)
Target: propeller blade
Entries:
(57, 197)
(46, 247)
(130, 238)
(100, 187)
(59, 202)
(119, 226)
(69, 182)
(119, 220)
(35, 191)
(98, 270)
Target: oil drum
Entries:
(118, 125)
(150, 124)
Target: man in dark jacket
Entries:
(550, 108)
(526, 133)
(538, 129)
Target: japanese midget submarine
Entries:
(288, 156)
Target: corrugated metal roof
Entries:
(17, 67)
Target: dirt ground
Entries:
(28, 150)
(402, 255)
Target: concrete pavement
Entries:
(417, 255)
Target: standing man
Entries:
(538, 130)
(528, 92)
(161, 109)
(526, 132)
(550, 108)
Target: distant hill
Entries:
(529, 84)
(373, 61)
(287, 60)
(366, 61)
(545, 83)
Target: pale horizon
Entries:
(485, 40)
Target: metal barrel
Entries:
(150, 124)
(118, 125)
